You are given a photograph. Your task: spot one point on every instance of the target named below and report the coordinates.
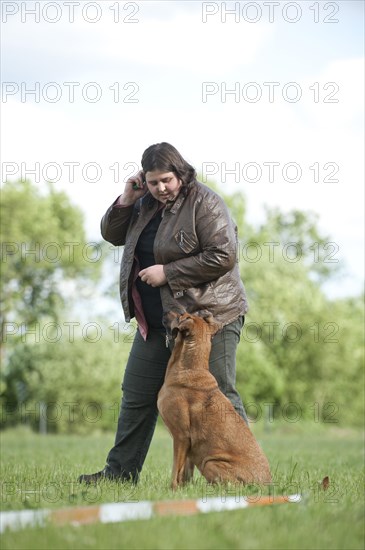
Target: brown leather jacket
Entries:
(197, 244)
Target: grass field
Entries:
(41, 472)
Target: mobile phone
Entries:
(135, 186)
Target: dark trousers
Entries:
(143, 378)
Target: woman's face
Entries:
(163, 186)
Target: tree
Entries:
(69, 386)
(43, 247)
(298, 346)
(45, 263)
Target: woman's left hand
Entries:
(153, 275)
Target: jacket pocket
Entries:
(186, 242)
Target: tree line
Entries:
(300, 356)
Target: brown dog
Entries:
(207, 431)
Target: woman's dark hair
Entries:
(165, 158)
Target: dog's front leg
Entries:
(181, 448)
(188, 470)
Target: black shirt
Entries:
(150, 296)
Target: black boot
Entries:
(98, 476)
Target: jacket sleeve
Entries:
(115, 222)
(218, 241)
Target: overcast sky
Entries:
(264, 97)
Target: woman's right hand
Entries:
(135, 188)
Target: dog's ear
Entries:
(174, 323)
(208, 318)
(185, 326)
(169, 317)
(170, 320)
(205, 314)
(182, 326)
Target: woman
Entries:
(179, 254)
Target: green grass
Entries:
(41, 472)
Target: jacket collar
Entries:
(176, 205)
(172, 207)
